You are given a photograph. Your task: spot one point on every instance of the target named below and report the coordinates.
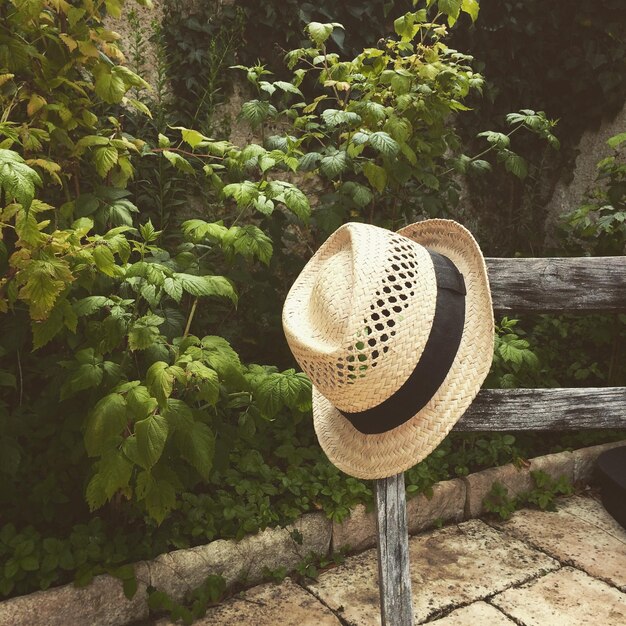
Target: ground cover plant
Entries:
(130, 424)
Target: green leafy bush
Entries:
(542, 496)
(599, 226)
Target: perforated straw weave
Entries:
(357, 320)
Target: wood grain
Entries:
(546, 409)
(558, 284)
(394, 580)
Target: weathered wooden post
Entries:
(394, 577)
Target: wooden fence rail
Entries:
(546, 409)
(563, 285)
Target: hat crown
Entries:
(328, 296)
(360, 314)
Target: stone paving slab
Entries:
(567, 597)
(476, 613)
(579, 533)
(286, 604)
(449, 567)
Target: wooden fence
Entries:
(552, 285)
(555, 285)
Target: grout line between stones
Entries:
(562, 561)
(342, 620)
(487, 597)
(515, 620)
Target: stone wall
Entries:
(592, 148)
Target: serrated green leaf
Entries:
(264, 205)
(206, 286)
(95, 493)
(197, 447)
(197, 230)
(497, 139)
(159, 496)
(143, 335)
(334, 164)
(28, 228)
(334, 117)
(319, 32)
(192, 137)
(287, 87)
(372, 111)
(160, 381)
(45, 280)
(17, 179)
(361, 195)
(178, 161)
(471, 7)
(206, 380)
(451, 8)
(140, 403)
(62, 315)
(286, 389)
(309, 161)
(86, 376)
(383, 142)
(376, 175)
(515, 164)
(249, 241)
(106, 422)
(91, 304)
(244, 193)
(109, 84)
(104, 260)
(297, 203)
(399, 128)
(151, 434)
(178, 414)
(219, 355)
(173, 288)
(255, 112)
(113, 473)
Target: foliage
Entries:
(138, 397)
(542, 496)
(579, 350)
(200, 44)
(379, 129)
(599, 226)
(365, 22)
(570, 65)
(590, 42)
(195, 605)
(371, 137)
(514, 363)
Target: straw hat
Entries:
(395, 331)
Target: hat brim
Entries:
(392, 452)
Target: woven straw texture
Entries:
(357, 320)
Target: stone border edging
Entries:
(103, 603)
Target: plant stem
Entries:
(190, 318)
